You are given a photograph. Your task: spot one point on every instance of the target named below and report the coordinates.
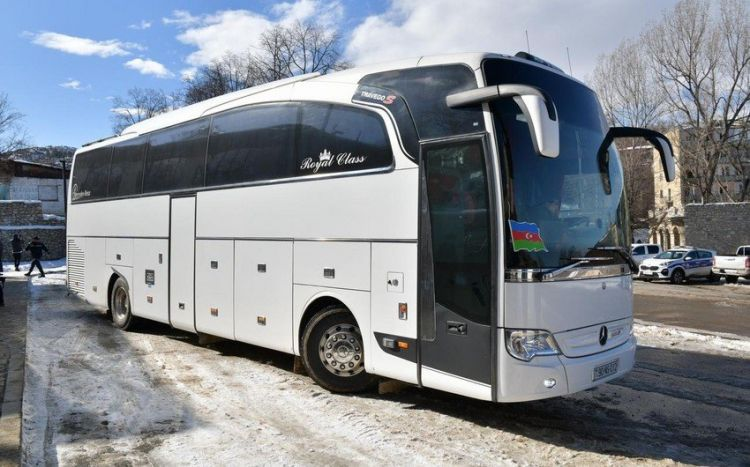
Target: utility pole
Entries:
(65, 187)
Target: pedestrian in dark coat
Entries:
(36, 247)
(17, 248)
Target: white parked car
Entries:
(641, 251)
(733, 267)
(678, 265)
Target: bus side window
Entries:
(176, 158)
(252, 144)
(126, 169)
(335, 138)
(90, 174)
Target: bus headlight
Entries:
(525, 344)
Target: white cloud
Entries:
(239, 30)
(84, 46)
(328, 14)
(149, 67)
(72, 84)
(127, 111)
(188, 73)
(181, 18)
(144, 24)
(410, 28)
(225, 31)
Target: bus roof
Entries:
(348, 78)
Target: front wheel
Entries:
(119, 304)
(332, 351)
(678, 276)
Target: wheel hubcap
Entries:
(340, 350)
(121, 304)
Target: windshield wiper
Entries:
(578, 261)
(623, 252)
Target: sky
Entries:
(62, 62)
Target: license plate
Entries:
(602, 371)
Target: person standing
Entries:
(36, 247)
(17, 248)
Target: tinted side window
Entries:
(425, 88)
(126, 169)
(704, 254)
(639, 250)
(90, 175)
(335, 138)
(252, 144)
(653, 249)
(176, 158)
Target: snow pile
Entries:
(53, 217)
(650, 335)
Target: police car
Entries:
(678, 265)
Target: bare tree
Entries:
(631, 97)
(12, 134)
(283, 52)
(702, 64)
(140, 104)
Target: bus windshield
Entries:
(557, 209)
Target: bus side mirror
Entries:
(658, 140)
(537, 107)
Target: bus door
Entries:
(182, 263)
(456, 251)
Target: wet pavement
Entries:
(714, 307)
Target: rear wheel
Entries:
(119, 304)
(332, 351)
(731, 279)
(678, 276)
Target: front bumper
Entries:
(650, 274)
(524, 381)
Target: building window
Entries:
(669, 194)
(48, 193)
(661, 194)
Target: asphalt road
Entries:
(714, 307)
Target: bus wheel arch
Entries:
(332, 347)
(118, 301)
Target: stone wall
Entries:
(719, 226)
(25, 218)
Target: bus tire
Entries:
(119, 305)
(332, 351)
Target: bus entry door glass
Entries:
(455, 256)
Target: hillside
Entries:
(49, 155)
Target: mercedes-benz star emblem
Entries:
(603, 333)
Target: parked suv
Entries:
(641, 251)
(678, 265)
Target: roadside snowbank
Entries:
(653, 335)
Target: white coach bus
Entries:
(456, 222)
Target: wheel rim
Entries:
(120, 304)
(340, 350)
(678, 276)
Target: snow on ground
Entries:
(96, 395)
(653, 335)
(57, 265)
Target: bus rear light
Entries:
(525, 344)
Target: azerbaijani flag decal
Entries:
(526, 236)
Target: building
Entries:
(667, 219)
(31, 181)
